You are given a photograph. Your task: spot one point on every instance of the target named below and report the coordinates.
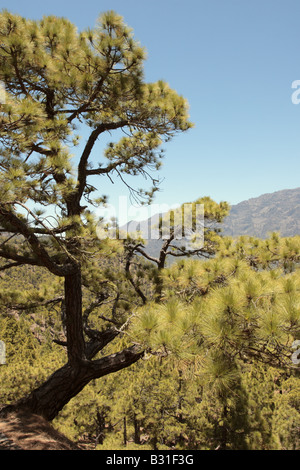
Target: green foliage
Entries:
(28, 363)
(200, 385)
(216, 334)
(54, 75)
(162, 406)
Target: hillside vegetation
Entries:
(112, 345)
(201, 385)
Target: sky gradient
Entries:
(234, 61)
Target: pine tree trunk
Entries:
(100, 428)
(137, 432)
(224, 432)
(49, 399)
(161, 265)
(125, 431)
(73, 314)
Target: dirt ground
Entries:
(24, 431)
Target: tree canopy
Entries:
(59, 81)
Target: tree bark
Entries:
(73, 316)
(100, 420)
(137, 430)
(125, 431)
(49, 399)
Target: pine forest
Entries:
(195, 347)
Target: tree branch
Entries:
(149, 257)
(100, 340)
(37, 304)
(82, 167)
(20, 259)
(10, 265)
(42, 255)
(84, 107)
(130, 278)
(115, 362)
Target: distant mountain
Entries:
(272, 212)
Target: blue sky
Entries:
(234, 61)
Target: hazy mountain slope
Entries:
(272, 212)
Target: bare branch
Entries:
(41, 254)
(20, 259)
(146, 255)
(130, 278)
(10, 265)
(37, 304)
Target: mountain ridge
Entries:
(258, 216)
(270, 212)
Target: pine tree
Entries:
(213, 318)
(57, 79)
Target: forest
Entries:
(194, 348)
(218, 369)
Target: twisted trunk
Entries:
(49, 399)
(65, 383)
